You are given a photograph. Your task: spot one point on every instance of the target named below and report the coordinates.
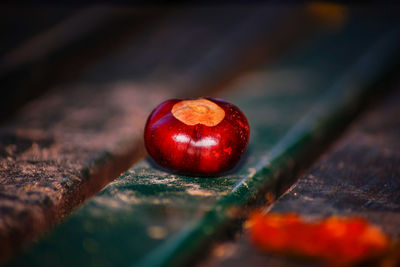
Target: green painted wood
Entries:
(149, 217)
(358, 176)
(65, 146)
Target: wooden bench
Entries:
(357, 176)
(299, 74)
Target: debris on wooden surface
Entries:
(169, 220)
(336, 240)
(356, 177)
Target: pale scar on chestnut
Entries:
(199, 111)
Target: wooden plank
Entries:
(149, 217)
(63, 48)
(358, 176)
(65, 146)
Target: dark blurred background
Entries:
(94, 71)
(47, 44)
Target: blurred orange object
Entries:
(337, 240)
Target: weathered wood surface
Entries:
(359, 176)
(49, 46)
(151, 217)
(65, 146)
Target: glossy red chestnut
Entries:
(204, 136)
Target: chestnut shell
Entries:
(196, 149)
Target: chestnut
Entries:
(204, 136)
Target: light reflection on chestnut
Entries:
(205, 136)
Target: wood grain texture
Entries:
(65, 146)
(358, 176)
(153, 217)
